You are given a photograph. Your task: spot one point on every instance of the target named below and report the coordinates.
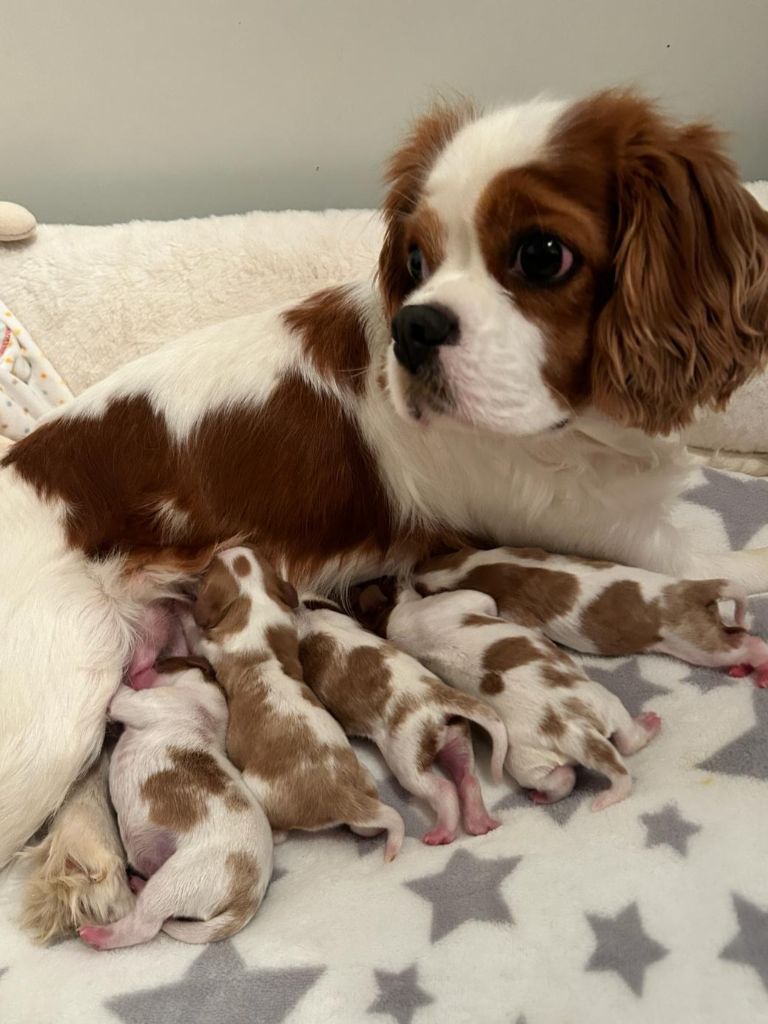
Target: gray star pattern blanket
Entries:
(654, 910)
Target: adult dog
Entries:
(561, 286)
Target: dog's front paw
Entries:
(73, 879)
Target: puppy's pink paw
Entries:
(761, 676)
(481, 825)
(739, 671)
(539, 796)
(94, 936)
(440, 835)
(650, 721)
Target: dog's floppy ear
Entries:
(215, 595)
(287, 593)
(686, 320)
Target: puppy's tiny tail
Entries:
(223, 926)
(484, 716)
(377, 816)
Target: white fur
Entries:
(434, 705)
(181, 711)
(286, 700)
(432, 629)
(592, 581)
(494, 374)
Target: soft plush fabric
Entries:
(654, 910)
(94, 297)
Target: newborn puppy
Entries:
(603, 608)
(187, 820)
(292, 753)
(416, 721)
(554, 715)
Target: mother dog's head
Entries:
(549, 257)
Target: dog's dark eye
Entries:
(417, 266)
(543, 259)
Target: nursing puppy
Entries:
(292, 753)
(187, 820)
(380, 693)
(554, 715)
(602, 608)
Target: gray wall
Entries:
(115, 109)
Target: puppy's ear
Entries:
(686, 320)
(405, 174)
(215, 595)
(287, 593)
(180, 662)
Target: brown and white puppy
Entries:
(293, 754)
(381, 693)
(554, 715)
(187, 819)
(603, 608)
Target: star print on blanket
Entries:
(653, 910)
(29, 385)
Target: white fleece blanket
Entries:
(654, 910)
(94, 297)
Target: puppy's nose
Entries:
(418, 330)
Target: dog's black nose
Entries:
(417, 330)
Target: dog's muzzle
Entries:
(418, 331)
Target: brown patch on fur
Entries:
(178, 796)
(277, 589)
(453, 701)
(620, 621)
(689, 610)
(528, 595)
(219, 603)
(552, 725)
(491, 683)
(241, 565)
(283, 641)
(505, 654)
(686, 319)
(405, 175)
(602, 755)
(403, 706)
(554, 675)
(235, 801)
(292, 475)
(510, 652)
(333, 336)
(182, 662)
(578, 708)
(429, 745)
(242, 898)
(354, 686)
(311, 784)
